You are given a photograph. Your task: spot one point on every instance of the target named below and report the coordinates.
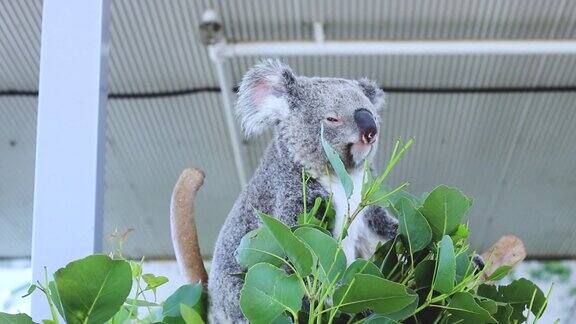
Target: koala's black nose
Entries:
(367, 125)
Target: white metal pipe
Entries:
(347, 48)
(228, 105)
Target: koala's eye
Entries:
(333, 120)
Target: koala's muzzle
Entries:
(366, 124)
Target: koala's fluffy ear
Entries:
(263, 94)
(373, 92)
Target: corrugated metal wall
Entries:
(515, 152)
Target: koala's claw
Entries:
(478, 261)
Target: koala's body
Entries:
(271, 96)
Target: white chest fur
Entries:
(361, 241)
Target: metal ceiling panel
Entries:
(149, 143)
(17, 151)
(515, 153)
(19, 44)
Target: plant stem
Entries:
(48, 296)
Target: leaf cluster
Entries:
(426, 274)
(97, 289)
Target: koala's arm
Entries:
(381, 222)
(289, 202)
(374, 224)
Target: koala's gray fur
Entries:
(270, 95)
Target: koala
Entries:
(296, 107)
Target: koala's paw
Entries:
(381, 222)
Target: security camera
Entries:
(211, 28)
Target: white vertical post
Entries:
(68, 185)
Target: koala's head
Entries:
(271, 95)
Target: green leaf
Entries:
(15, 318)
(379, 319)
(445, 208)
(282, 319)
(296, 250)
(464, 266)
(30, 290)
(331, 259)
(518, 294)
(445, 266)
(395, 197)
(55, 297)
(488, 304)
(268, 292)
(360, 266)
(93, 289)
(464, 308)
(136, 269)
(412, 225)
(386, 258)
(122, 316)
(407, 311)
(259, 246)
(424, 273)
(499, 273)
(140, 303)
(190, 316)
(337, 165)
(190, 295)
(503, 314)
(462, 232)
(371, 292)
(172, 320)
(152, 281)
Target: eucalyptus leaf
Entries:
(386, 258)
(461, 233)
(191, 295)
(444, 209)
(15, 318)
(136, 268)
(504, 314)
(140, 303)
(394, 197)
(463, 308)
(464, 266)
(152, 281)
(268, 292)
(55, 297)
(297, 251)
(259, 246)
(282, 319)
(407, 311)
(412, 225)
(360, 266)
(517, 294)
(371, 292)
(189, 315)
(331, 259)
(445, 266)
(93, 289)
(379, 319)
(424, 274)
(488, 304)
(30, 290)
(321, 229)
(499, 273)
(337, 165)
